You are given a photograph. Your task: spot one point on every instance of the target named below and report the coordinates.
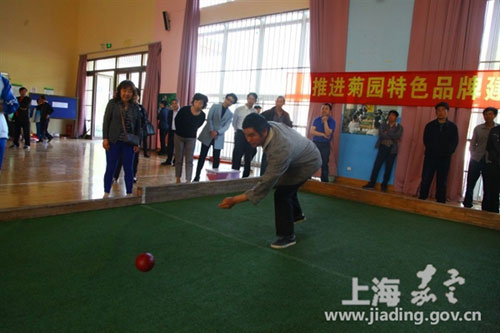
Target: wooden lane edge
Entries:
(153, 194)
(27, 212)
(406, 204)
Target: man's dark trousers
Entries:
(476, 168)
(383, 155)
(432, 165)
(286, 209)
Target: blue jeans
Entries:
(3, 142)
(126, 152)
(38, 131)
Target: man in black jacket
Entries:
(45, 111)
(440, 140)
(22, 119)
(491, 175)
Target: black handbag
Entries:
(130, 138)
(150, 129)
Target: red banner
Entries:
(463, 89)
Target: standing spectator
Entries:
(121, 118)
(322, 130)
(187, 122)
(440, 140)
(218, 121)
(241, 146)
(174, 104)
(9, 105)
(45, 111)
(478, 151)
(22, 120)
(144, 123)
(36, 120)
(276, 114)
(491, 175)
(136, 155)
(163, 126)
(389, 134)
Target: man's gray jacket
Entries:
(291, 160)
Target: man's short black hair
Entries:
(443, 104)
(492, 109)
(253, 94)
(394, 112)
(200, 97)
(233, 96)
(329, 105)
(257, 122)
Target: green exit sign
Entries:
(108, 45)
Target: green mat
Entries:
(215, 270)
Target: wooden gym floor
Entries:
(71, 171)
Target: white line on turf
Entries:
(279, 253)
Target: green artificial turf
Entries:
(215, 270)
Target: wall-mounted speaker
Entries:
(166, 21)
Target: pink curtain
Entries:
(79, 126)
(329, 21)
(187, 67)
(152, 88)
(446, 35)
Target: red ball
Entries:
(145, 262)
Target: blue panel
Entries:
(358, 153)
(377, 40)
(64, 107)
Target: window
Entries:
(268, 55)
(133, 60)
(209, 3)
(488, 60)
(103, 76)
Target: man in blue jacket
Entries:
(218, 121)
(163, 126)
(8, 105)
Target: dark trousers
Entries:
(10, 125)
(126, 152)
(324, 150)
(163, 134)
(491, 180)
(119, 166)
(242, 149)
(383, 156)
(203, 156)
(25, 125)
(286, 209)
(263, 164)
(434, 165)
(44, 130)
(170, 146)
(476, 168)
(145, 144)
